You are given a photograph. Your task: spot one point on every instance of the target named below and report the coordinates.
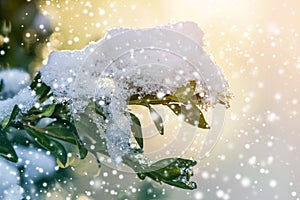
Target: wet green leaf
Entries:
(6, 149)
(137, 130)
(191, 114)
(56, 148)
(157, 119)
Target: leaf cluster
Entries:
(60, 132)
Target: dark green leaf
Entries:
(1, 84)
(66, 131)
(10, 121)
(56, 148)
(83, 151)
(157, 119)
(59, 130)
(173, 171)
(99, 110)
(184, 184)
(191, 113)
(6, 149)
(42, 90)
(141, 176)
(137, 130)
(61, 111)
(14, 113)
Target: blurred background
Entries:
(257, 44)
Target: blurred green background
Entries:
(24, 31)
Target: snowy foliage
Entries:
(134, 61)
(91, 89)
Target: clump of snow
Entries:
(60, 72)
(10, 181)
(25, 100)
(14, 80)
(134, 61)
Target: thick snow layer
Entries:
(134, 61)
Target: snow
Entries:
(175, 48)
(25, 100)
(14, 80)
(9, 186)
(37, 164)
(134, 61)
(15, 92)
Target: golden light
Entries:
(256, 42)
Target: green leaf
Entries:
(61, 111)
(1, 84)
(141, 176)
(94, 149)
(151, 99)
(157, 119)
(186, 92)
(66, 131)
(6, 149)
(56, 148)
(137, 130)
(59, 130)
(65, 124)
(42, 90)
(176, 108)
(45, 111)
(173, 171)
(10, 121)
(191, 113)
(48, 110)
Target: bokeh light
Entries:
(258, 46)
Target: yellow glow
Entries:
(254, 41)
